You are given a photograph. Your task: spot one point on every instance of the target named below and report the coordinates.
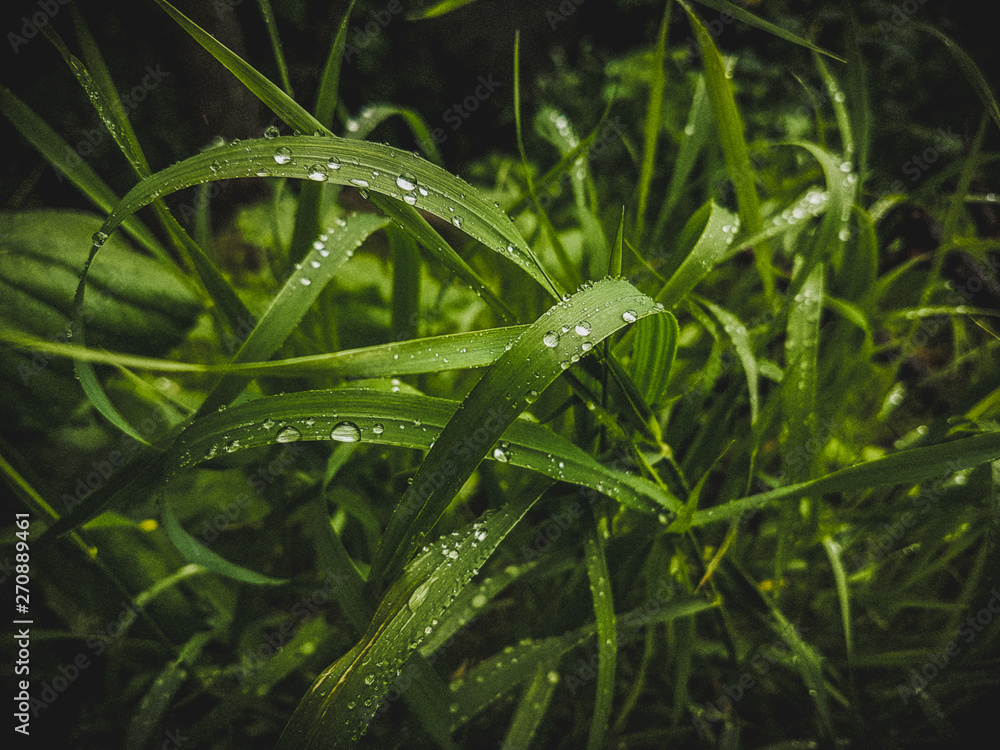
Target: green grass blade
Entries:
(533, 706)
(907, 466)
(329, 85)
(720, 227)
(149, 716)
(279, 53)
(607, 631)
(653, 355)
(737, 333)
(654, 122)
(438, 9)
(968, 66)
(405, 285)
(342, 701)
(54, 148)
(723, 6)
(373, 115)
(193, 551)
(276, 100)
(294, 299)
(834, 554)
(734, 148)
(556, 340)
(397, 419)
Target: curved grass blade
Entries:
(551, 344)
(279, 53)
(654, 122)
(720, 227)
(653, 357)
(971, 71)
(193, 551)
(397, 419)
(737, 333)
(723, 6)
(734, 148)
(342, 701)
(534, 703)
(297, 295)
(908, 466)
(373, 115)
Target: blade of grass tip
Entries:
(837, 99)
(654, 121)
(551, 344)
(723, 6)
(343, 700)
(737, 333)
(734, 149)
(971, 71)
(607, 631)
(279, 53)
(307, 215)
(556, 290)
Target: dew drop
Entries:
(267, 424)
(531, 396)
(406, 181)
(99, 238)
(586, 346)
(583, 328)
(317, 173)
(551, 339)
(233, 446)
(333, 163)
(288, 435)
(271, 131)
(502, 452)
(345, 432)
(282, 154)
(457, 221)
(410, 199)
(378, 428)
(629, 316)
(359, 182)
(304, 281)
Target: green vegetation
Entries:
(675, 424)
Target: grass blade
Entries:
(654, 122)
(556, 340)
(607, 631)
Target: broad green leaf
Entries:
(295, 297)
(343, 700)
(567, 331)
(195, 552)
(723, 6)
(907, 466)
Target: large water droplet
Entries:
(583, 328)
(410, 199)
(379, 428)
(406, 181)
(551, 339)
(359, 182)
(99, 238)
(345, 432)
(282, 154)
(629, 316)
(457, 221)
(502, 452)
(288, 435)
(271, 131)
(317, 173)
